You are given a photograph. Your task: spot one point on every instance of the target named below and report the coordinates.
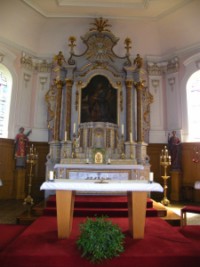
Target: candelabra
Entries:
(32, 158)
(165, 161)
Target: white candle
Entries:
(51, 175)
(151, 177)
(122, 129)
(74, 128)
(131, 137)
(87, 161)
(65, 135)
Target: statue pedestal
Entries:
(20, 183)
(175, 185)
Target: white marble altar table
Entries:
(136, 192)
(82, 171)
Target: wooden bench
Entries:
(190, 209)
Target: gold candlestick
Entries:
(165, 161)
(32, 158)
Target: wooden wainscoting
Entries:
(7, 168)
(189, 174)
(190, 171)
(8, 171)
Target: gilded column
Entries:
(68, 104)
(59, 86)
(140, 135)
(129, 117)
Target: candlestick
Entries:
(65, 136)
(131, 137)
(122, 129)
(51, 175)
(165, 161)
(32, 158)
(151, 177)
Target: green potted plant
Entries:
(100, 239)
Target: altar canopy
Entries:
(98, 104)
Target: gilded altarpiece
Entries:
(98, 103)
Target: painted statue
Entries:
(174, 146)
(21, 144)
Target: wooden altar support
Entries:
(137, 197)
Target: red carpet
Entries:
(162, 246)
(9, 232)
(87, 205)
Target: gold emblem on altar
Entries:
(98, 158)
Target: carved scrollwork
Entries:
(50, 99)
(147, 99)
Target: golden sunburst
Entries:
(100, 25)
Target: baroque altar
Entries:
(98, 105)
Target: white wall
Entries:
(20, 25)
(180, 30)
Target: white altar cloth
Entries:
(136, 193)
(99, 186)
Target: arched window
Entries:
(5, 97)
(193, 106)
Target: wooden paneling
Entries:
(190, 171)
(7, 170)
(39, 171)
(154, 151)
(189, 174)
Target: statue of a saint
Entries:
(174, 146)
(59, 59)
(21, 144)
(138, 61)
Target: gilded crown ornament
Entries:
(100, 25)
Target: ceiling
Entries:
(119, 9)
